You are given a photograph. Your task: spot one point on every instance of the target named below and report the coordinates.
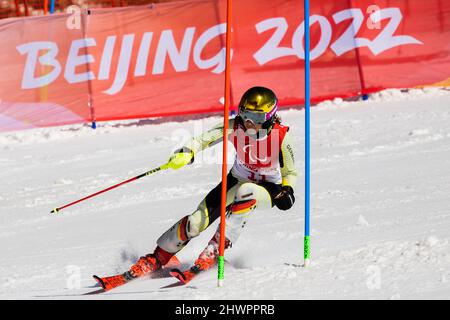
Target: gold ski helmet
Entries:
(259, 105)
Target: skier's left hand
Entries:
(285, 199)
(180, 158)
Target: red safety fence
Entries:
(168, 59)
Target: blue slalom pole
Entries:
(306, 253)
(52, 6)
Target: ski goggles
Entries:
(256, 117)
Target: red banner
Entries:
(169, 58)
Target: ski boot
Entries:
(144, 266)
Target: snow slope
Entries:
(380, 207)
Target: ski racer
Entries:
(263, 176)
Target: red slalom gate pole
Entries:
(163, 167)
(221, 259)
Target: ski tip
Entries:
(94, 292)
(99, 281)
(177, 273)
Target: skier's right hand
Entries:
(285, 199)
(180, 158)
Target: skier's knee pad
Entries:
(251, 191)
(242, 207)
(245, 192)
(196, 223)
(245, 199)
(248, 197)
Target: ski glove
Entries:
(180, 158)
(285, 199)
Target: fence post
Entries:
(17, 8)
(358, 63)
(85, 17)
(25, 3)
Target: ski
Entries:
(111, 282)
(108, 283)
(183, 276)
(186, 276)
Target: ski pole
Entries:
(163, 167)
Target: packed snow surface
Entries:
(380, 207)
